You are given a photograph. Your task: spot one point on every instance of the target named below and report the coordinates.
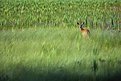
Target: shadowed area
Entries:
(22, 73)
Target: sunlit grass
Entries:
(58, 50)
(28, 13)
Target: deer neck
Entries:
(81, 28)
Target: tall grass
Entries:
(39, 40)
(57, 54)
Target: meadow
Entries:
(40, 41)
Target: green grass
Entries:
(40, 41)
(59, 54)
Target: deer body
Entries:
(85, 32)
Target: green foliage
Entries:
(29, 13)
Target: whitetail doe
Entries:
(85, 32)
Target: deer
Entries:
(84, 31)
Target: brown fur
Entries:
(85, 32)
